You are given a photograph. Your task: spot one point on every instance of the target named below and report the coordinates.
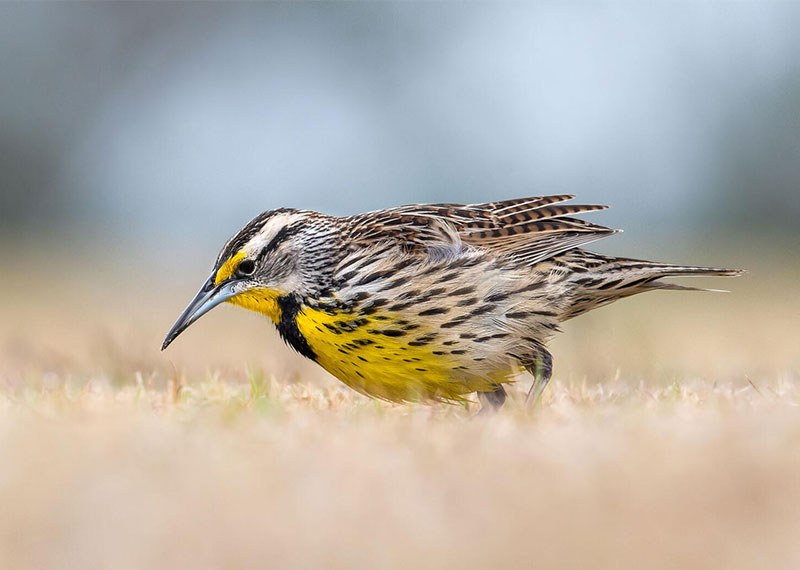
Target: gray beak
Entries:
(207, 298)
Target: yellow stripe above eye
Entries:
(228, 267)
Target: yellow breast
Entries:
(385, 357)
(382, 355)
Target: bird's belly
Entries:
(388, 358)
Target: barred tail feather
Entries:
(603, 280)
(653, 285)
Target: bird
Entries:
(428, 302)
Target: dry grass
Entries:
(670, 438)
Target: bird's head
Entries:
(265, 260)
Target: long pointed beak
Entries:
(207, 298)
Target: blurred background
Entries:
(136, 137)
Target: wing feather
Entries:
(528, 229)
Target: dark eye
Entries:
(246, 267)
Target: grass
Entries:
(669, 438)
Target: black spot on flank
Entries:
(435, 311)
(410, 327)
(463, 291)
(482, 339)
(448, 277)
(458, 352)
(482, 310)
(396, 283)
(359, 373)
(467, 302)
(372, 306)
(449, 342)
(433, 292)
(401, 306)
(531, 287)
(362, 358)
(408, 295)
(386, 332)
(496, 297)
(416, 343)
(372, 277)
(439, 352)
(467, 335)
(518, 315)
(363, 342)
(332, 328)
(544, 313)
(453, 323)
(421, 369)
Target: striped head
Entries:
(277, 254)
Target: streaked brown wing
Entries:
(528, 229)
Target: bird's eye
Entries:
(246, 267)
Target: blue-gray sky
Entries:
(162, 120)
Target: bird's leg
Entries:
(542, 370)
(492, 401)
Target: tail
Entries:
(598, 280)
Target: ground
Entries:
(669, 438)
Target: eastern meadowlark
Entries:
(427, 302)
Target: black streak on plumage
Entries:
(287, 326)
